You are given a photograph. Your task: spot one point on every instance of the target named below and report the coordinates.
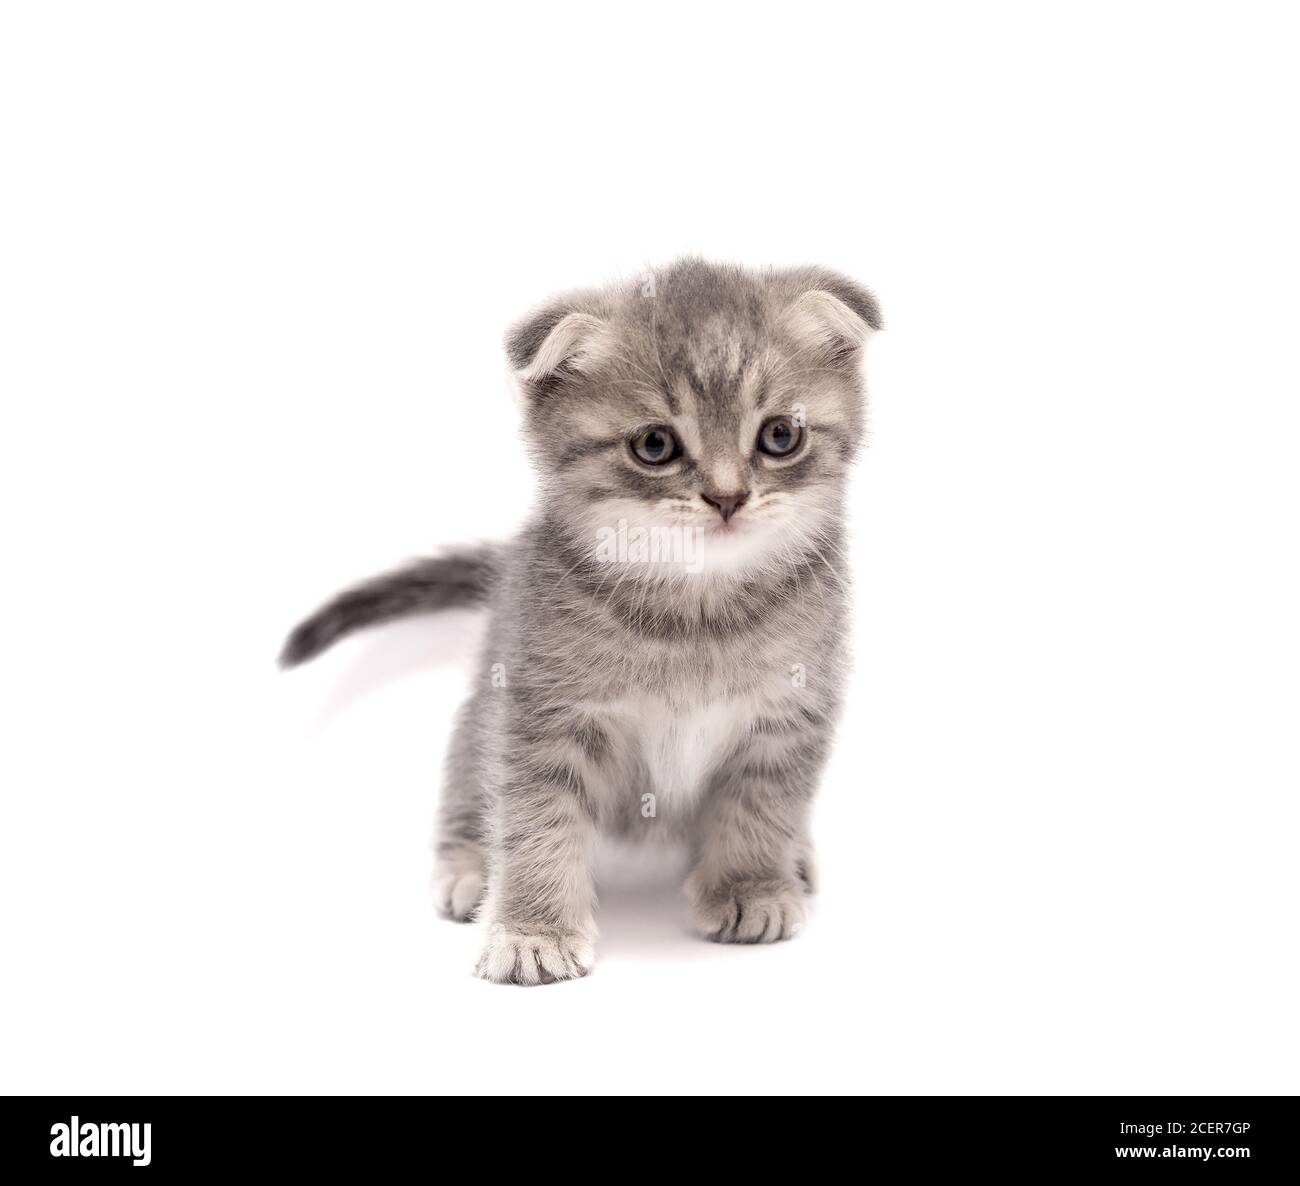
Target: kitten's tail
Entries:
(459, 578)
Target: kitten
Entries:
(666, 647)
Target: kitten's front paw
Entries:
(514, 957)
(748, 911)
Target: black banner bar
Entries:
(1200, 1136)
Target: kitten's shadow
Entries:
(637, 919)
(388, 654)
(643, 909)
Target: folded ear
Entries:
(556, 340)
(832, 315)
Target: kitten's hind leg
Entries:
(459, 881)
(460, 867)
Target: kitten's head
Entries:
(701, 419)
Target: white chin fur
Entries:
(739, 550)
(671, 540)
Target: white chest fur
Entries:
(680, 745)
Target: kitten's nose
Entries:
(727, 504)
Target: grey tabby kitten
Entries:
(666, 648)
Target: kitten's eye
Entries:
(780, 436)
(655, 446)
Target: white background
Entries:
(256, 260)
